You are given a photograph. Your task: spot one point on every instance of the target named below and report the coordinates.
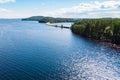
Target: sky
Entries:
(60, 8)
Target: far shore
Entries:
(54, 25)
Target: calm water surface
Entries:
(34, 51)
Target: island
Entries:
(104, 29)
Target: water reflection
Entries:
(86, 65)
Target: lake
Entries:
(35, 51)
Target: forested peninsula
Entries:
(43, 19)
(104, 29)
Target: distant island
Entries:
(104, 29)
(43, 19)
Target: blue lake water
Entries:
(34, 51)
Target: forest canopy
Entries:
(43, 19)
(105, 29)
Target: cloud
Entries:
(3, 10)
(6, 1)
(90, 10)
(6, 13)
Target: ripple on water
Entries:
(92, 65)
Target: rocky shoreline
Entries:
(111, 45)
(106, 44)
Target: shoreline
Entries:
(54, 25)
(101, 42)
(105, 43)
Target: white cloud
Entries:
(7, 13)
(93, 9)
(6, 1)
(3, 10)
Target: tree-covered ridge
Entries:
(33, 18)
(100, 29)
(43, 19)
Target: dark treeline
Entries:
(107, 30)
(55, 20)
(43, 19)
(33, 18)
